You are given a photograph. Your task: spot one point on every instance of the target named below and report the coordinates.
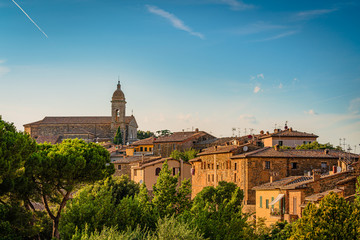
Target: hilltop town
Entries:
(279, 171)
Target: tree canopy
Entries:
(185, 155)
(144, 134)
(316, 145)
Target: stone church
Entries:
(91, 129)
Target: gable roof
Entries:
(79, 120)
(291, 153)
(288, 133)
(145, 141)
(181, 136)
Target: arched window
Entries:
(157, 171)
(117, 115)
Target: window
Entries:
(135, 172)
(174, 171)
(141, 149)
(235, 166)
(212, 177)
(260, 201)
(208, 166)
(150, 149)
(234, 177)
(294, 205)
(145, 149)
(119, 167)
(212, 166)
(323, 165)
(280, 143)
(217, 166)
(267, 203)
(174, 146)
(157, 171)
(267, 164)
(209, 178)
(293, 165)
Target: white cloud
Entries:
(314, 13)
(280, 86)
(261, 75)
(257, 89)
(281, 35)
(248, 118)
(354, 106)
(311, 112)
(237, 5)
(175, 21)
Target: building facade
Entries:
(91, 129)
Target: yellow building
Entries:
(141, 147)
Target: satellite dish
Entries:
(245, 148)
(338, 169)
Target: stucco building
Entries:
(91, 129)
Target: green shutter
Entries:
(260, 201)
(267, 203)
(272, 199)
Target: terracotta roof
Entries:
(222, 149)
(282, 183)
(118, 94)
(180, 136)
(78, 120)
(290, 153)
(195, 159)
(48, 139)
(318, 196)
(146, 141)
(289, 133)
(130, 159)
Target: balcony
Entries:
(276, 213)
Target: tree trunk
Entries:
(55, 232)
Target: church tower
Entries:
(118, 111)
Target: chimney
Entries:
(290, 129)
(316, 174)
(262, 132)
(196, 130)
(267, 133)
(271, 179)
(276, 130)
(215, 148)
(277, 147)
(326, 151)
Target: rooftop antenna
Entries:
(132, 112)
(251, 130)
(233, 131)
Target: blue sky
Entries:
(211, 64)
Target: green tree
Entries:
(185, 155)
(15, 149)
(111, 203)
(144, 134)
(118, 137)
(57, 170)
(316, 145)
(333, 218)
(167, 199)
(163, 133)
(217, 213)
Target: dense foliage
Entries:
(118, 139)
(185, 155)
(316, 145)
(144, 134)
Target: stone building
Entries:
(252, 168)
(287, 137)
(163, 146)
(91, 129)
(286, 198)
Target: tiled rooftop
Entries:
(78, 120)
(288, 133)
(180, 136)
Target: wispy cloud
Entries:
(237, 5)
(280, 85)
(257, 27)
(261, 75)
(311, 112)
(248, 118)
(3, 70)
(314, 13)
(257, 89)
(281, 35)
(29, 18)
(175, 21)
(354, 106)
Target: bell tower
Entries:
(118, 105)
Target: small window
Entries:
(150, 149)
(145, 149)
(235, 166)
(234, 177)
(324, 165)
(141, 149)
(174, 172)
(217, 166)
(267, 203)
(209, 178)
(267, 164)
(260, 201)
(212, 177)
(135, 172)
(174, 146)
(119, 167)
(293, 165)
(208, 166)
(280, 143)
(157, 171)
